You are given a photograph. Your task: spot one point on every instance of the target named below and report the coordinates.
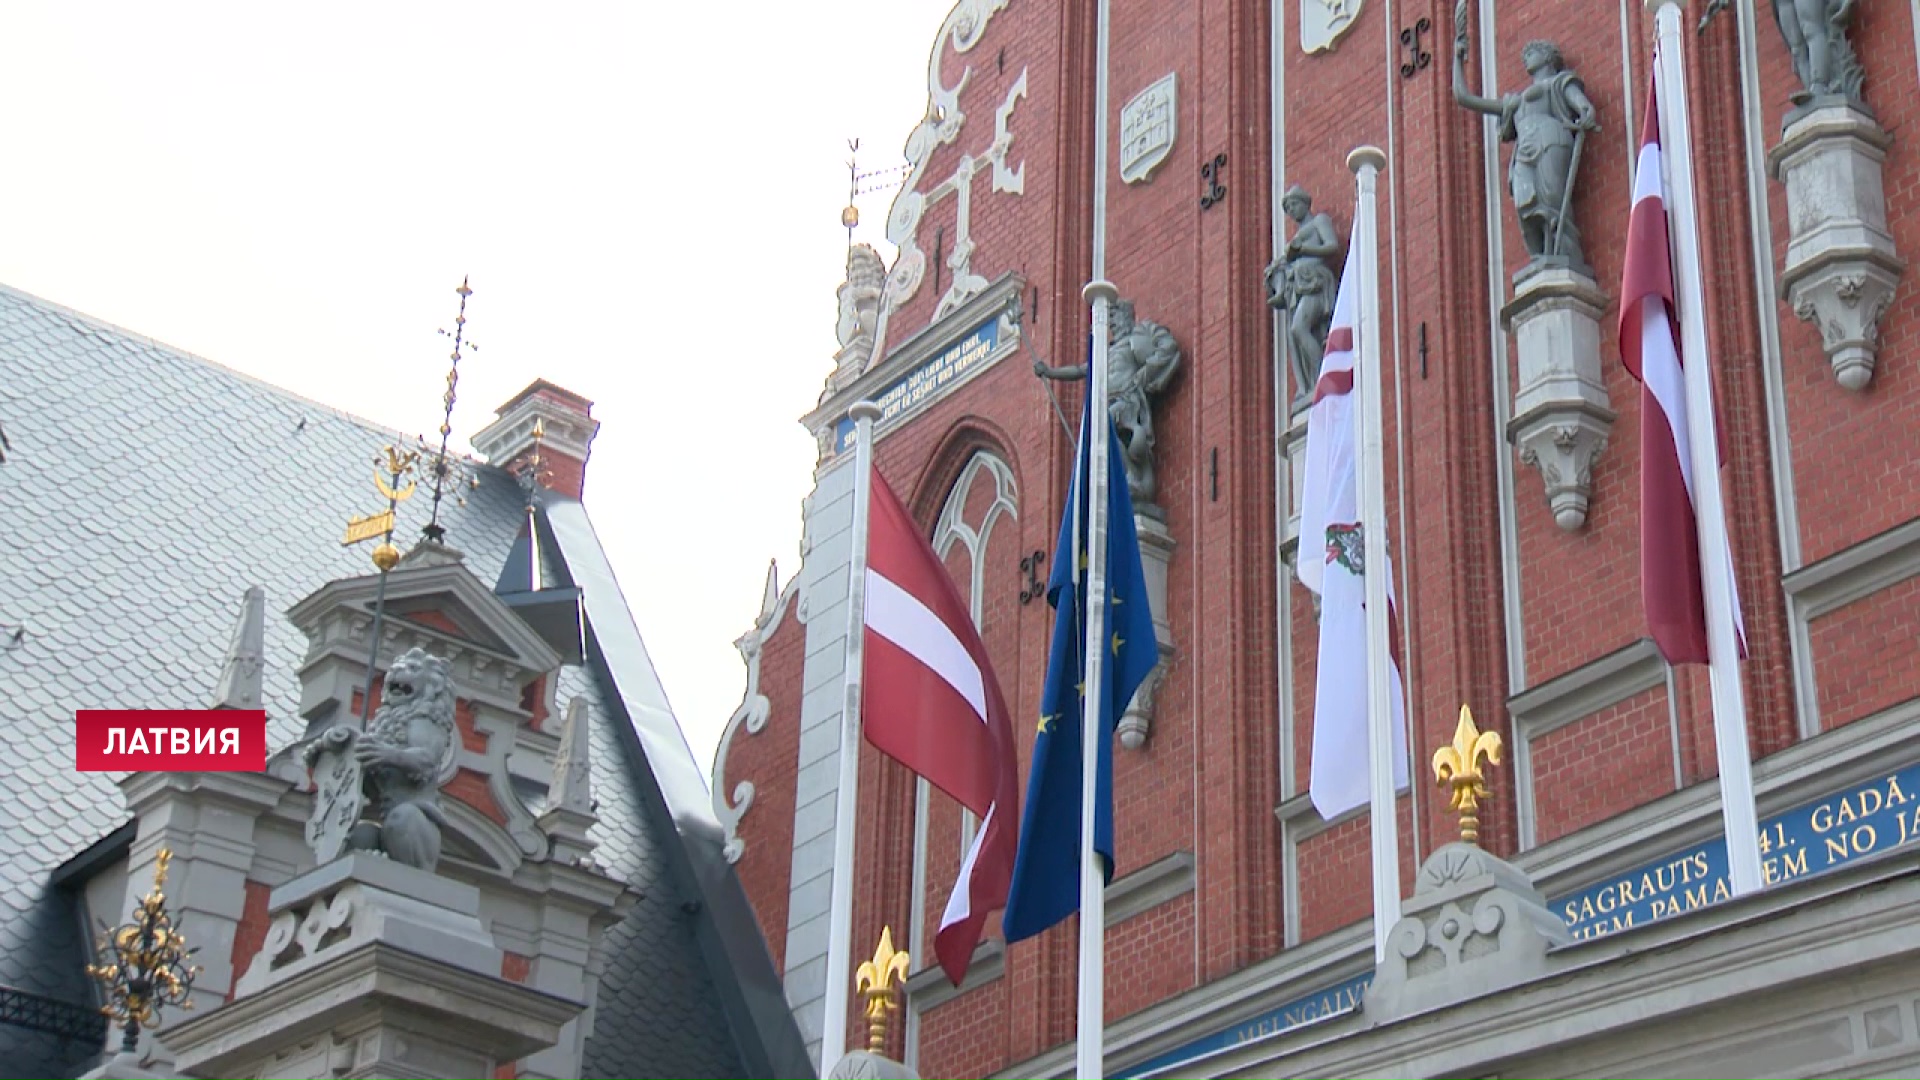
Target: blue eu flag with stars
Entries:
(1046, 870)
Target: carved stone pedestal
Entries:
(1475, 926)
(1561, 415)
(1156, 552)
(1841, 267)
(372, 968)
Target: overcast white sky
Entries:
(646, 194)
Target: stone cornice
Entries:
(1857, 572)
(510, 1019)
(1223, 1002)
(1863, 913)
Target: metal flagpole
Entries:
(1366, 163)
(833, 1030)
(1716, 561)
(1099, 293)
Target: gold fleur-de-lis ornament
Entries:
(1458, 765)
(876, 980)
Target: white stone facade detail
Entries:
(1561, 414)
(941, 125)
(1149, 123)
(1323, 22)
(1841, 267)
(752, 713)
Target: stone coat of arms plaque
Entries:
(1148, 124)
(1322, 22)
(337, 794)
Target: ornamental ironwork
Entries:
(147, 963)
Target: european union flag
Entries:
(1046, 870)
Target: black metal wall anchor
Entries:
(1210, 172)
(1417, 58)
(1031, 587)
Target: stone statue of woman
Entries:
(1547, 121)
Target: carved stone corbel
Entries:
(1561, 414)
(1841, 267)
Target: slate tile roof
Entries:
(145, 491)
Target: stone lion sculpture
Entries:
(405, 756)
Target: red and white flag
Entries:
(1332, 562)
(931, 702)
(1649, 346)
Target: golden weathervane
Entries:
(876, 980)
(1459, 766)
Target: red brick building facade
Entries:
(1231, 895)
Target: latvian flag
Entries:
(1649, 337)
(1331, 562)
(931, 703)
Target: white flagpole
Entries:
(1089, 1050)
(1723, 653)
(1366, 163)
(839, 990)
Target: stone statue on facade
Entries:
(859, 316)
(379, 790)
(1302, 282)
(1547, 121)
(1816, 35)
(1142, 359)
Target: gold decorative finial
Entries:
(1459, 765)
(876, 980)
(850, 217)
(146, 962)
(386, 557)
(393, 475)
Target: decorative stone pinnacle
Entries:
(876, 980)
(240, 676)
(1458, 765)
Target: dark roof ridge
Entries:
(96, 323)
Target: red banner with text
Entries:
(170, 740)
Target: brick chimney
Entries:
(548, 422)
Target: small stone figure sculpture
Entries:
(858, 318)
(1302, 282)
(1816, 35)
(1142, 359)
(1547, 122)
(402, 760)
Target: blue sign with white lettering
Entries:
(1319, 1005)
(1880, 814)
(929, 380)
(1811, 838)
